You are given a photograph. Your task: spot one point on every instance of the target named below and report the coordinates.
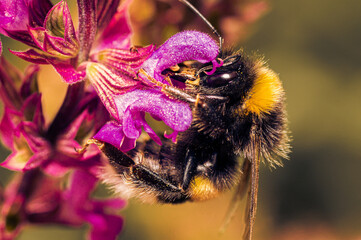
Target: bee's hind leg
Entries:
(143, 177)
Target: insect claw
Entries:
(193, 82)
(197, 101)
(169, 81)
(134, 49)
(87, 144)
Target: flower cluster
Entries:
(106, 99)
(54, 182)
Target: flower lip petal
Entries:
(183, 46)
(113, 134)
(132, 106)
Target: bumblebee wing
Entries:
(238, 195)
(253, 191)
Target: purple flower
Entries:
(131, 106)
(25, 201)
(33, 144)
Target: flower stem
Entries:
(67, 112)
(87, 27)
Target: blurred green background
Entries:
(315, 47)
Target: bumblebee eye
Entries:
(221, 79)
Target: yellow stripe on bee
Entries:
(265, 93)
(202, 189)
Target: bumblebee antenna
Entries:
(205, 20)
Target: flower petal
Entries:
(32, 110)
(20, 156)
(108, 82)
(67, 71)
(54, 46)
(113, 134)
(117, 34)
(175, 114)
(59, 23)
(38, 9)
(132, 105)
(10, 77)
(183, 46)
(31, 56)
(114, 226)
(13, 15)
(8, 124)
(82, 184)
(30, 84)
(105, 12)
(59, 47)
(21, 36)
(124, 59)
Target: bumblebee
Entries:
(239, 119)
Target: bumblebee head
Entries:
(246, 83)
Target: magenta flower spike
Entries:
(35, 145)
(51, 203)
(44, 153)
(104, 225)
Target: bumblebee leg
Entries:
(173, 91)
(86, 145)
(153, 179)
(189, 170)
(143, 176)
